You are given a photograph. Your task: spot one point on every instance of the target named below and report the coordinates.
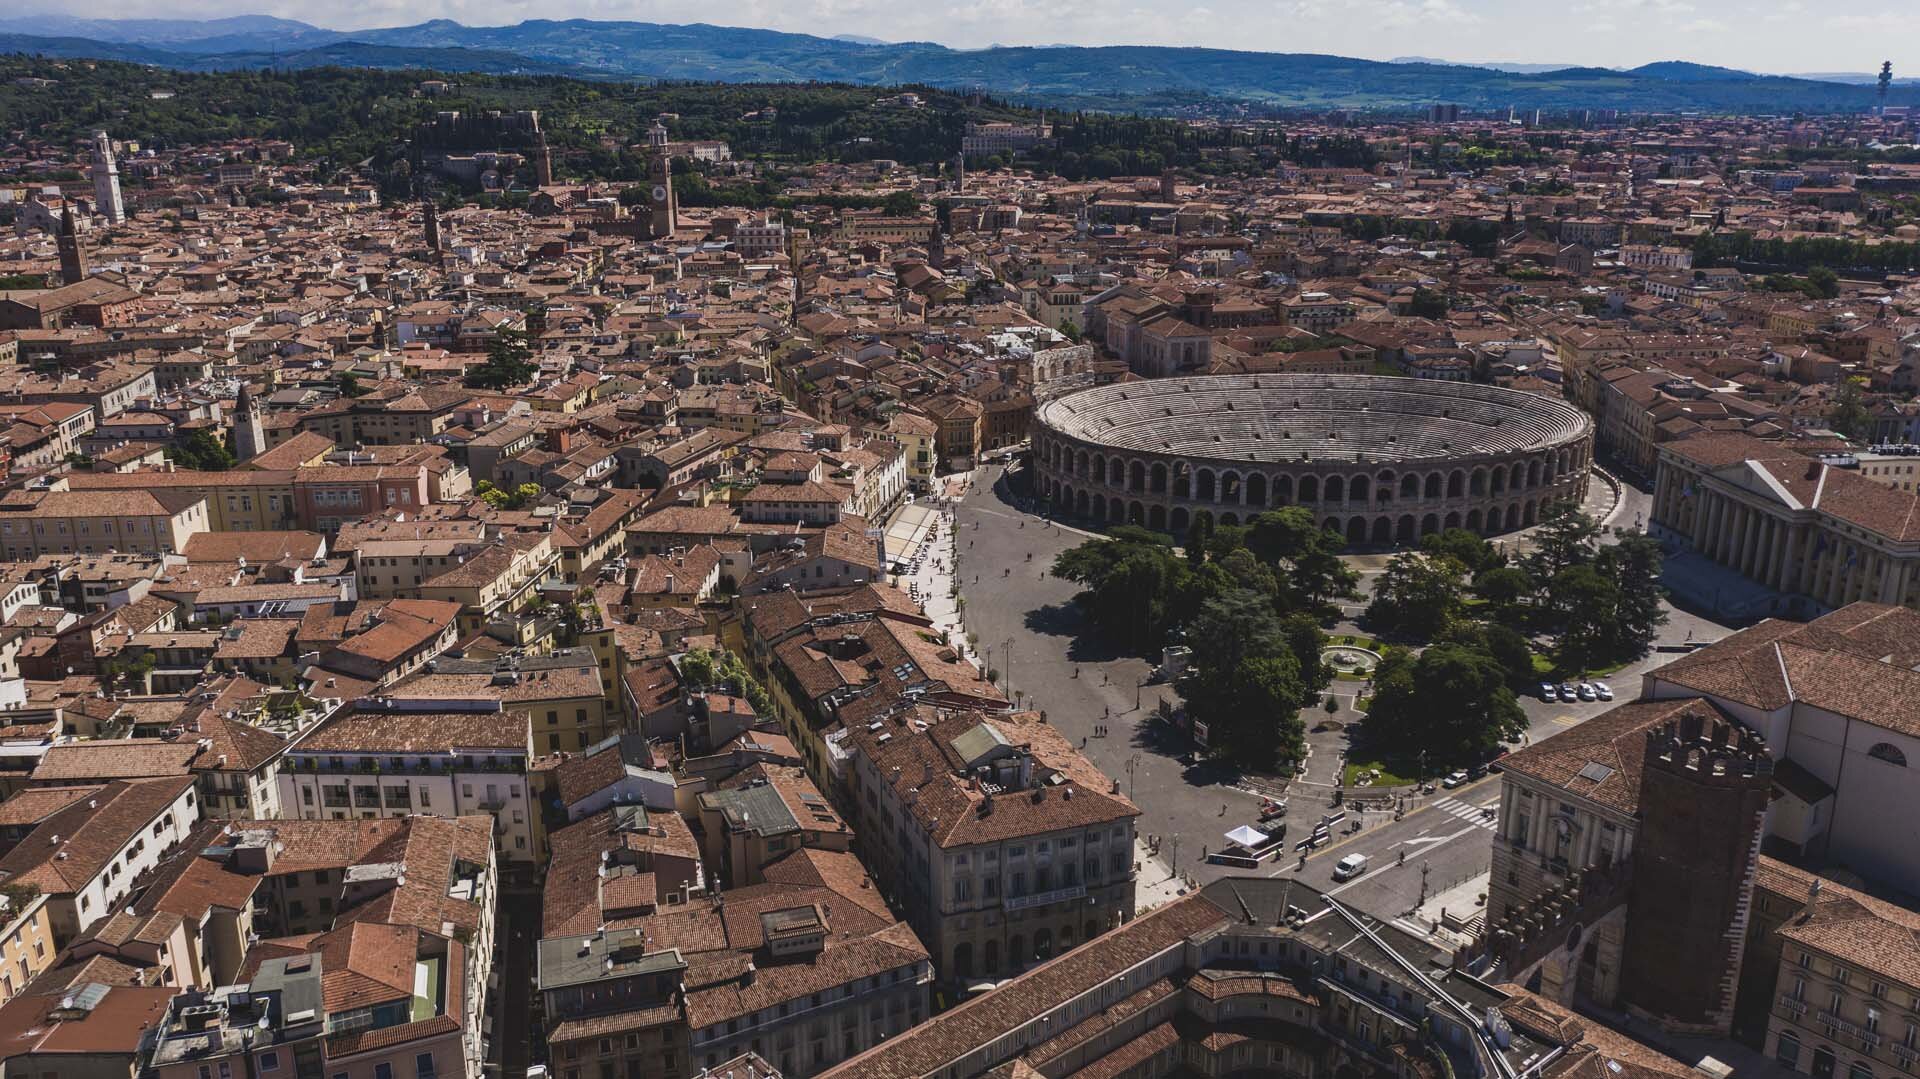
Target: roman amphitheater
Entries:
(1382, 460)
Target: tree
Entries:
(1464, 547)
(1314, 574)
(1428, 304)
(1503, 587)
(1134, 589)
(1246, 682)
(509, 363)
(203, 451)
(1417, 596)
(1825, 283)
(1848, 414)
(1452, 702)
(1633, 565)
(349, 384)
(1569, 537)
(1586, 602)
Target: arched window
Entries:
(1887, 751)
(1822, 1064)
(1787, 1050)
(1859, 1070)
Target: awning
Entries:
(1248, 837)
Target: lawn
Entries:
(1549, 669)
(1387, 778)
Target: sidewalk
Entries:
(1156, 885)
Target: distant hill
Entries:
(1115, 77)
(1681, 71)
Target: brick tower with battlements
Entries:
(1704, 789)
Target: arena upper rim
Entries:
(1386, 459)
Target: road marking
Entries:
(1566, 721)
(1468, 811)
(1436, 846)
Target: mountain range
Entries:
(1109, 76)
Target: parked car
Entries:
(1549, 692)
(1568, 693)
(1455, 778)
(1603, 691)
(1350, 867)
(1586, 692)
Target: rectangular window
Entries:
(269, 1062)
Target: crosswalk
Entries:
(1468, 812)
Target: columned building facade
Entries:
(1820, 535)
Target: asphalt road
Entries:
(1449, 838)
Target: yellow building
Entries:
(33, 523)
(26, 945)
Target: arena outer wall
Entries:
(1382, 460)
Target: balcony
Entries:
(1794, 1005)
(1041, 899)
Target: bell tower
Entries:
(73, 257)
(249, 425)
(666, 210)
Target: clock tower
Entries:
(666, 212)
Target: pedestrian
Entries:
(1223, 809)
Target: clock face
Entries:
(659, 193)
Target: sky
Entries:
(1779, 36)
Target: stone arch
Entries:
(1382, 531)
(1157, 482)
(1116, 472)
(1334, 490)
(1137, 477)
(1080, 464)
(1282, 490)
(1404, 532)
(1256, 489)
(1433, 485)
(1473, 520)
(1099, 468)
(1498, 482)
(1452, 521)
(1157, 517)
(1182, 480)
(1136, 513)
(1204, 485)
(1527, 516)
(1356, 531)
(1230, 489)
(1116, 510)
(1477, 483)
(1513, 516)
(1357, 489)
(1080, 503)
(1229, 519)
(1309, 488)
(1178, 520)
(1331, 524)
(1409, 486)
(1042, 944)
(1456, 484)
(1429, 524)
(1533, 472)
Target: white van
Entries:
(1350, 867)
